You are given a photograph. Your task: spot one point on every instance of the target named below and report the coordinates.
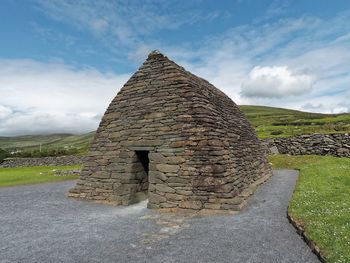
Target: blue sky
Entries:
(62, 62)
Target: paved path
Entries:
(39, 224)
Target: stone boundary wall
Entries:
(43, 161)
(318, 144)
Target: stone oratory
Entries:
(174, 138)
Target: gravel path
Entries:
(39, 224)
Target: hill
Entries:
(279, 122)
(268, 122)
(67, 142)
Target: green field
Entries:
(80, 143)
(33, 175)
(277, 122)
(321, 201)
(268, 122)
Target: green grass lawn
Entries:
(321, 201)
(33, 175)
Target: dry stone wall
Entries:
(318, 144)
(203, 153)
(43, 161)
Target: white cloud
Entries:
(99, 25)
(322, 108)
(125, 25)
(307, 51)
(53, 97)
(308, 60)
(4, 112)
(275, 82)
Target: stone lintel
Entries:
(141, 148)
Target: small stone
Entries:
(157, 158)
(212, 206)
(166, 168)
(274, 150)
(155, 198)
(101, 174)
(154, 115)
(233, 201)
(164, 188)
(184, 192)
(176, 197)
(175, 160)
(191, 205)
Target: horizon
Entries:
(62, 62)
(93, 131)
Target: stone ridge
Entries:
(43, 161)
(202, 151)
(317, 144)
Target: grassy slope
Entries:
(33, 175)
(264, 119)
(52, 141)
(292, 122)
(321, 201)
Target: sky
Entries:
(63, 61)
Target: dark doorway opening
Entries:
(143, 158)
(141, 176)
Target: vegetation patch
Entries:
(270, 122)
(3, 154)
(46, 145)
(34, 175)
(321, 201)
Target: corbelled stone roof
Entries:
(203, 153)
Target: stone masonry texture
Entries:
(202, 151)
(318, 144)
(43, 161)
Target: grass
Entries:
(272, 122)
(321, 201)
(48, 142)
(33, 175)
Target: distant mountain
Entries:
(268, 122)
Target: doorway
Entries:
(142, 156)
(142, 177)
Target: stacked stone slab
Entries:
(43, 161)
(318, 144)
(203, 153)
